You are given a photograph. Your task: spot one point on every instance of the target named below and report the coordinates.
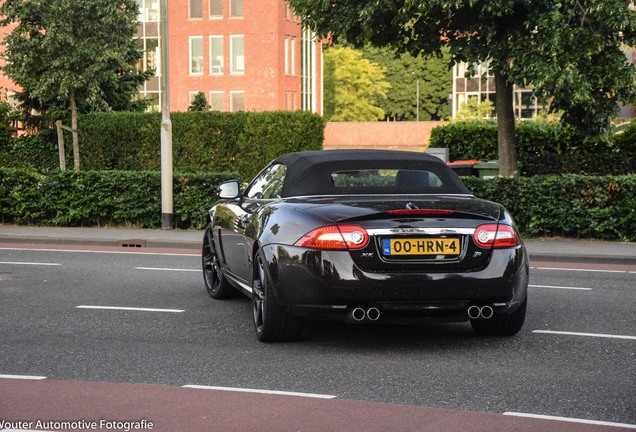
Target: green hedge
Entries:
(202, 141)
(478, 139)
(569, 205)
(103, 198)
(542, 148)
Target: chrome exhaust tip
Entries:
(487, 312)
(358, 314)
(474, 312)
(373, 314)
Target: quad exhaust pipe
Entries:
(485, 312)
(359, 314)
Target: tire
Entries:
(216, 284)
(271, 322)
(502, 324)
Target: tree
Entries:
(568, 51)
(404, 72)
(352, 83)
(77, 54)
(199, 103)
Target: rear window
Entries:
(391, 179)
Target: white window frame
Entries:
(217, 93)
(234, 70)
(232, 15)
(292, 56)
(232, 94)
(190, 10)
(215, 69)
(210, 10)
(190, 56)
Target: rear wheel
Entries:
(271, 321)
(501, 324)
(215, 283)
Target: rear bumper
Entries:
(328, 284)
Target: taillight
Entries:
(333, 237)
(496, 236)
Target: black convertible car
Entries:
(364, 236)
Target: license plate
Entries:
(420, 246)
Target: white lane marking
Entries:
(597, 335)
(101, 251)
(130, 309)
(21, 430)
(24, 377)
(168, 269)
(580, 270)
(571, 420)
(269, 392)
(560, 287)
(29, 263)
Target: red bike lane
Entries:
(84, 406)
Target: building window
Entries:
(196, 9)
(148, 10)
(216, 8)
(237, 54)
(236, 9)
(237, 101)
(216, 101)
(216, 55)
(196, 55)
(292, 57)
(286, 55)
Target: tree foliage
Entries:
(199, 103)
(569, 50)
(352, 85)
(76, 55)
(403, 72)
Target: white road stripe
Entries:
(123, 251)
(168, 269)
(24, 377)
(571, 420)
(130, 309)
(580, 270)
(560, 287)
(29, 263)
(598, 335)
(269, 392)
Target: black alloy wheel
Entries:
(271, 322)
(215, 283)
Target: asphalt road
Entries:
(575, 357)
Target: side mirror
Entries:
(229, 189)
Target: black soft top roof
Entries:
(309, 173)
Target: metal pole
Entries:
(167, 215)
(418, 99)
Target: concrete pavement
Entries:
(545, 250)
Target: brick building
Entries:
(243, 54)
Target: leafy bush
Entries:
(567, 205)
(205, 141)
(201, 141)
(103, 198)
(542, 148)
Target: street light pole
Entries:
(417, 102)
(167, 215)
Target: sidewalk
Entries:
(550, 250)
